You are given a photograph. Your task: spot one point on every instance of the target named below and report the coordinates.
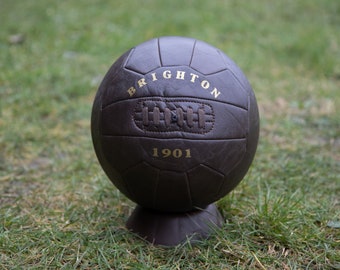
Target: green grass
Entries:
(57, 208)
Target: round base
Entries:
(171, 229)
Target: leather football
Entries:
(175, 124)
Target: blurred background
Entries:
(53, 56)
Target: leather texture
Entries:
(175, 124)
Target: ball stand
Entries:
(171, 229)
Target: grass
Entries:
(57, 208)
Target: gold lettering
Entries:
(131, 91)
(205, 84)
(167, 74)
(154, 78)
(171, 153)
(193, 77)
(180, 75)
(141, 82)
(177, 153)
(215, 92)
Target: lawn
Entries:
(58, 210)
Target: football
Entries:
(175, 124)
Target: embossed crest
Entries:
(173, 114)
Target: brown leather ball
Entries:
(175, 124)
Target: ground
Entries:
(58, 210)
